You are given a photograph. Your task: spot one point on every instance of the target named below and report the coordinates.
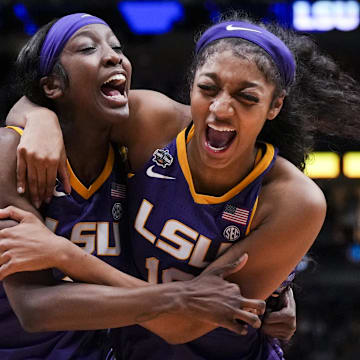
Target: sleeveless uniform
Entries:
(176, 232)
(93, 218)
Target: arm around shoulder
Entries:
(155, 120)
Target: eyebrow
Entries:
(84, 32)
(245, 84)
(91, 34)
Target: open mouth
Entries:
(219, 137)
(114, 87)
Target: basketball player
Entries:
(266, 201)
(88, 89)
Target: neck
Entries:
(87, 148)
(218, 181)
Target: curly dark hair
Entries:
(27, 69)
(323, 99)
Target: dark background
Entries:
(328, 290)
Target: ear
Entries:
(276, 106)
(52, 87)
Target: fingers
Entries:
(248, 317)
(229, 269)
(33, 185)
(11, 266)
(14, 213)
(65, 177)
(5, 270)
(290, 299)
(20, 171)
(6, 266)
(50, 182)
(41, 184)
(253, 305)
(235, 326)
(278, 331)
(277, 317)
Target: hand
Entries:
(282, 324)
(215, 300)
(28, 246)
(40, 158)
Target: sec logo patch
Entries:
(231, 233)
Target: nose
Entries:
(111, 57)
(222, 107)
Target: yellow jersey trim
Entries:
(81, 189)
(261, 164)
(19, 130)
(252, 216)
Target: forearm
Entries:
(18, 113)
(72, 306)
(87, 268)
(79, 265)
(186, 329)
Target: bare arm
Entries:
(41, 158)
(31, 245)
(38, 160)
(209, 297)
(290, 214)
(160, 120)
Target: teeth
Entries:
(119, 78)
(220, 128)
(116, 97)
(216, 149)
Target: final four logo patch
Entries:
(162, 157)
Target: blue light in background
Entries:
(213, 10)
(30, 28)
(151, 17)
(20, 11)
(353, 253)
(282, 12)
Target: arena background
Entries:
(158, 38)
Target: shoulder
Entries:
(9, 140)
(287, 192)
(8, 136)
(153, 110)
(155, 120)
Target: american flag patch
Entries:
(235, 214)
(118, 191)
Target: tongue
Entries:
(219, 139)
(109, 91)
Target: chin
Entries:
(119, 114)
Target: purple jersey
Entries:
(92, 218)
(176, 232)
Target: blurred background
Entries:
(158, 38)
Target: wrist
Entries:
(63, 253)
(39, 114)
(180, 294)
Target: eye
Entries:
(208, 89)
(87, 49)
(117, 48)
(248, 98)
